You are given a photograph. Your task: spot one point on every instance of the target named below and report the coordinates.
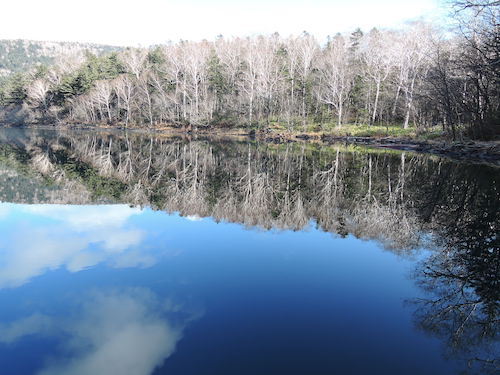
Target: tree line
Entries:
(419, 76)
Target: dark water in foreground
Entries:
(137, 255)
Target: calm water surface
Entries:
(136, 255)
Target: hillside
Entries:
(21, 55)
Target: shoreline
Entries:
(472, 151)
(484, 152)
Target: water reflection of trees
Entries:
(392, 198)
(463, 307)
(257, 185)
(403, 201)
(464, 276)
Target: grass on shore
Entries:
(311, 129)
(361, 130)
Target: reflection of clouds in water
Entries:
(75, 237)
(193, 218)
(117, 333)
(34, 324)
(85, 217)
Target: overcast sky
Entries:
(144, 22)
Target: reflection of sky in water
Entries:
(39, 238)
(112, 289)
(114, 333)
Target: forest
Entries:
(422, 77)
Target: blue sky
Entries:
(127, 22)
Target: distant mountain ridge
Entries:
(21, 55)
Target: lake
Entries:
(137, 254)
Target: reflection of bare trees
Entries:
(390, 224)
(256, 185)
(462, 278)
(373, 196)
(69, 190)
(464, 305)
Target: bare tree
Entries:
(336, 76)
(125, 89)
(378, 64)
